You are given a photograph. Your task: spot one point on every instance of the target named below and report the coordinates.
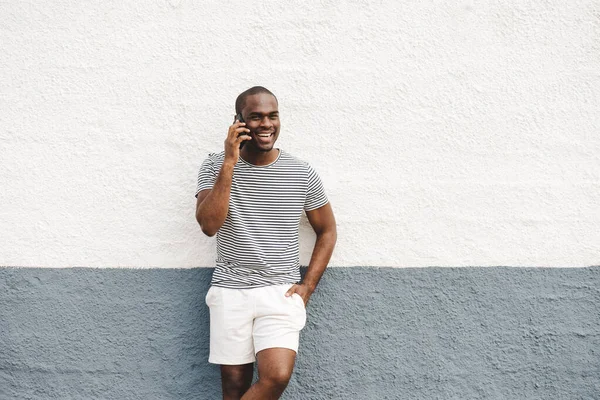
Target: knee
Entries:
(235, 381)
(234, 387)
(277, 379)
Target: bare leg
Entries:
(235, 380)
(275, 368)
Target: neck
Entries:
(259, 157)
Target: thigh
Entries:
(231, 322)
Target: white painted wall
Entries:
(446, 133)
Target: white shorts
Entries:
(246, 321)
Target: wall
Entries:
(372, 333)
(448, 135)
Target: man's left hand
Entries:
(303, 290)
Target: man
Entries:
(252, 196)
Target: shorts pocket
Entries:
(301, 311)
(299, 299)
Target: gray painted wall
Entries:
(373, 333)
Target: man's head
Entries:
(259, 109)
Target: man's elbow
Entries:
(333, 234)
(329, 232)
(208, 231)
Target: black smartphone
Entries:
(238, 117)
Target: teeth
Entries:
(264, 134)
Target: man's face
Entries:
(262, 118)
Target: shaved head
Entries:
(240, 102)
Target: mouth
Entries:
(264, 138)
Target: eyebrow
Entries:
(258, 113)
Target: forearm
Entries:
(212, 211)
(320, 257)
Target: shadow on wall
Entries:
(372, 333)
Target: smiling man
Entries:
(252, 195)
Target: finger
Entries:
(236, 125)
(242, 133)
(291, 291)
(242, 137)
(241, 129)
(235, 132)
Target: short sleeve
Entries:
(315, 195)
(206, 176)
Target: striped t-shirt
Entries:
(258, 243)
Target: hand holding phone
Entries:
(238, 117)
(237, 135)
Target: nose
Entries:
(266, 122)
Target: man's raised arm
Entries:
(212, 204)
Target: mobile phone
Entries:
(238, 117)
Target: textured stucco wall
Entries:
(372, 333)
(447, 133)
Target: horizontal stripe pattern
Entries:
(258, 243)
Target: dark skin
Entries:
(260, 131)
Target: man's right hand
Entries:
(235, 136)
